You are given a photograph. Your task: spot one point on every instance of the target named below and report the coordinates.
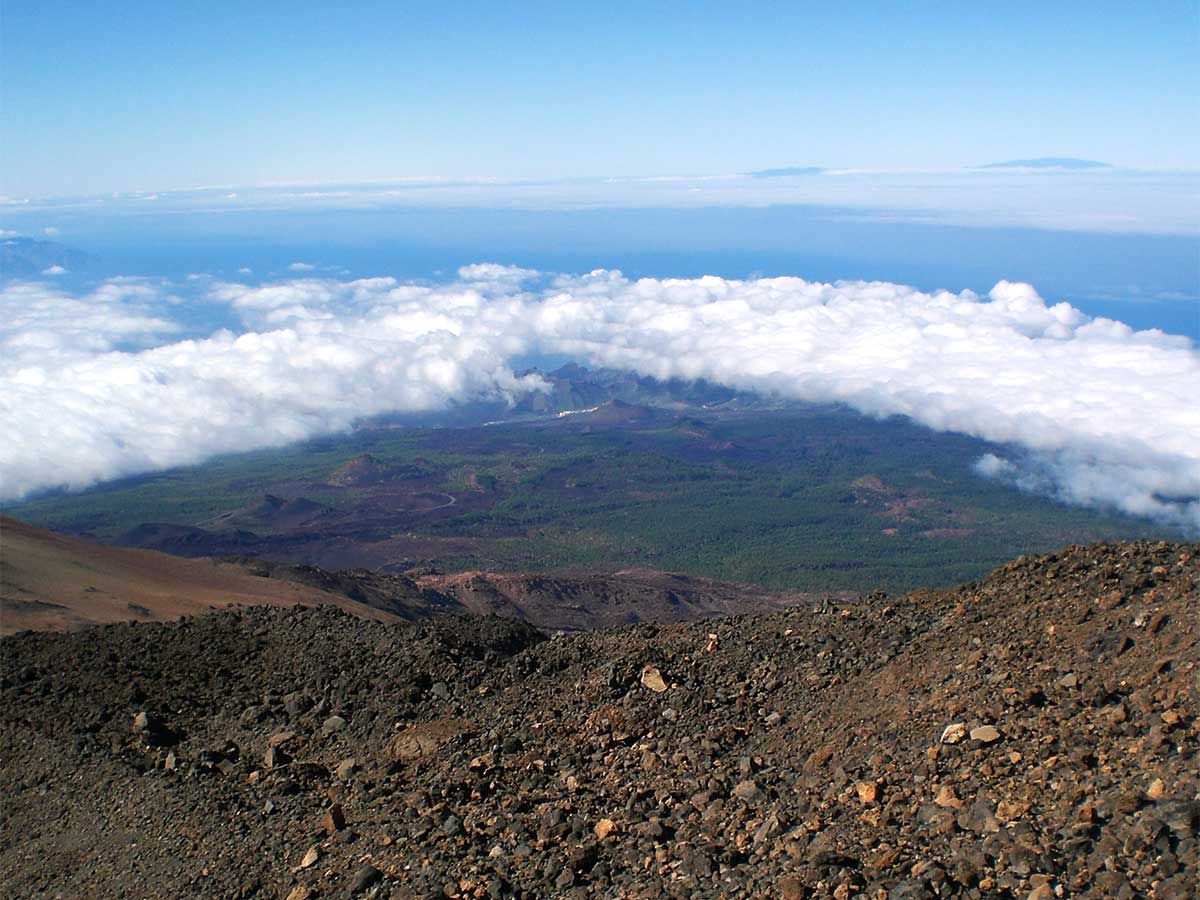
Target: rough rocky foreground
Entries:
(1032, 735)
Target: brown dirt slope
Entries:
(1031, 736)
(52, 582)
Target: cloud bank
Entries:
(1105, 416)
(1088, 410)
(76, 410)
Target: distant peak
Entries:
(1048, 162)
(787, 171)
(26, 257)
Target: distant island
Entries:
(786, 171)
(24, 257)
(1048, 162)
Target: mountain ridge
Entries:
(1048, 162)
(50, 581)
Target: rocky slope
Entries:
(1033, 735)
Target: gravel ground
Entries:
(1032, 735)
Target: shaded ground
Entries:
(587, 601)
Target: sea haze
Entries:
(1145, 280)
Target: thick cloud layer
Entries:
(1094, 412)
(75, 411)
(1107, 416)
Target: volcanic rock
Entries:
(364, 877)
(985, 734)
(552, 770)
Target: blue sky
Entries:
(154, 96)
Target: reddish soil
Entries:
(49, 582)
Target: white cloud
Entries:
(1109, 414)
(51, 231)
(75, 411)
(301, 267)
(992, 466)
(495, 274)
(42, 326)
(54, 270)
(1087, 409)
